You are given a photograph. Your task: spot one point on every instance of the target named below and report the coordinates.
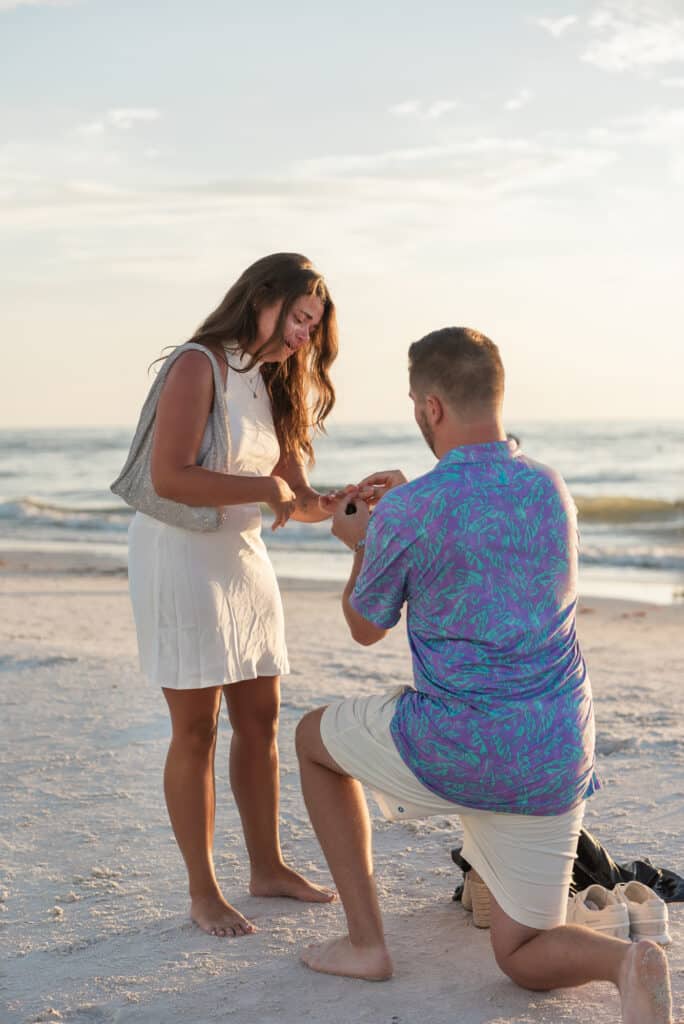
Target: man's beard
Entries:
(426, 431)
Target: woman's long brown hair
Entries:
(302, 394)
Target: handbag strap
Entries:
(218, 414)
(219, 385)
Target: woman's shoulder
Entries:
(193, 362)
(189, 377)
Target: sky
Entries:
(513, 167)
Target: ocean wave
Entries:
(625, 509)
(73, 441)
(634, 557)
(616, 531)
(33, 511)
(599, 477)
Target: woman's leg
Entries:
(191, 800)
(253, 706)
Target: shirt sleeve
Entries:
(382, 585)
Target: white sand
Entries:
(93, 911)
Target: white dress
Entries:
(207, 607)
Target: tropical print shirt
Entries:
(483, 550)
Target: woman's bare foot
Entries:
(216, 917)
(285, 882)
(338, 956)
(645, 986)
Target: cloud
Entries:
(653, 127)
(127, 116)
(632, 35)
(402, 160)
(476, 172)
(91, 128)
(122, 118)
(555, 26)
(441, 107)
(430, 112)
(476, 168)
(11, 5)
(405, 109)
(673, 83)
(520, 100)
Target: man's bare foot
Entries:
(216, 917)
(645, 986)
(286, 882)
(338, 956)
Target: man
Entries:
(499, 728)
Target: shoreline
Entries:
(636, 585)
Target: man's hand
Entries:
(329, 502)
(372, 488)
(351, 527)
(367, 490)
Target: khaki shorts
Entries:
(525, 860)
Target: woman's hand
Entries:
(329, 502)
(369, 490)
(372, 488)
(281, 500)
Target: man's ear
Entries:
(435, 409)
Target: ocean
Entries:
(627, 479)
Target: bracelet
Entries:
(360, 545)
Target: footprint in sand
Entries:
(607, 745)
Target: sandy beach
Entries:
(93, 909)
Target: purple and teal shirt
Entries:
(483, 550)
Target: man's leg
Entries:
(570, 955)
(339, 814)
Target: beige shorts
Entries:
(525, 860)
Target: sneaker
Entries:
(648, 917)
(600, 910)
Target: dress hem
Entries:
(208, 684)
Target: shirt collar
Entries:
(493, 451)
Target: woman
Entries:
(206, 605)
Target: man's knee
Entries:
(522, 976)
(508, 938)
(308, 733)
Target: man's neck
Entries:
(456, 435)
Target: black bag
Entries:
(594, 864)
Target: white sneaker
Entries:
(648, 917)
(600, 910)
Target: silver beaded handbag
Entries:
(134, 483)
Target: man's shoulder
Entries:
(544, 476)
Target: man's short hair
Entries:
(461, 366)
